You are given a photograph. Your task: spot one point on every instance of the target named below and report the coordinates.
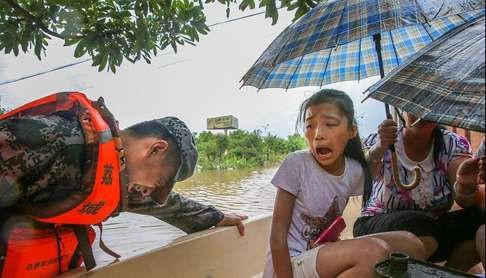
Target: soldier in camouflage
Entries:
(42, 158)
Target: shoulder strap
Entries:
(104, 247)
(84, 246)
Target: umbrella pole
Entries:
(396, 179)
(377, 40)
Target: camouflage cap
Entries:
(185, 141)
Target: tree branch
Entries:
(30, 17)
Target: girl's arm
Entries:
(282, 215)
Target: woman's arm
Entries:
(282, 216)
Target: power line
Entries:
(80, 62)
(170, 64)
(43, 72)
(235, 19)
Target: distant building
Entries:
(224, 122)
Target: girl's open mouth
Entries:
(323, 152)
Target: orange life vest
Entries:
(104, 195)
(98, 201)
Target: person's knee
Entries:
(480, 236)
(376, 249)
(430, 245)
(415, 245)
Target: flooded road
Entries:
(242, 191)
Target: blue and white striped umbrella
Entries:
(338, 40)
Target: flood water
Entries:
(241, 191)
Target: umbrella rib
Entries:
(471, 123)
(440, 9)
(461, 17)
(261, 55)
(394, 48)
(339, 23)
(417, 8)
(405, 100)
(325, 67)
(274, 60)
(427, 31)
(419, 53)
(359, 60)
(337, 39)
(328, 56)
(292, 76)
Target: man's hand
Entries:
(233, 219)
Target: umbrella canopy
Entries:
(336, 40)
(444, 82)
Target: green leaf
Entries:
(16, 49)
(302, 10)
(24, 41)
(113, 67)
(81, 48)
(174, 46)
(271, 11)
(247, 3)
(103, 61)
(147, 60)
(243, 5)
(68, 42)
(38, 45)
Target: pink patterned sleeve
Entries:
(457, 146)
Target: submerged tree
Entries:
(112, 30)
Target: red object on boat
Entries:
(333, 232)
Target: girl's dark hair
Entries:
(354, 148)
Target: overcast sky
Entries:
(194, 84)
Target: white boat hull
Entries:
(220, 252)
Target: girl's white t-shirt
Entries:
(320, 197)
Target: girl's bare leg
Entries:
(402, 241)
(351, 258)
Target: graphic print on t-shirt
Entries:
(315, 225)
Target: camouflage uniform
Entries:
(41, 160)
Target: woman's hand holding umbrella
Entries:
(387, 137)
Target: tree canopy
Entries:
(243, 149)
(110, 31)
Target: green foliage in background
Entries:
(110, 31)
(2, 110)
(243, 149)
